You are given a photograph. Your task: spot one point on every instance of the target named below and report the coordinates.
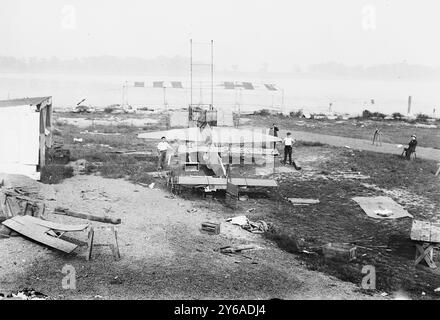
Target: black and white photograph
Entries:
(238, 153)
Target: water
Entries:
(312, 94)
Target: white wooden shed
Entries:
(25, 133)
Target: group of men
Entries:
(288, 143)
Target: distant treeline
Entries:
(102, 64)
(179, 65)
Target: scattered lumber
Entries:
(80, 215)
(236, 249)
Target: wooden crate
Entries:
(340, 251)
(210, 228)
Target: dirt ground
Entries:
(164, 255)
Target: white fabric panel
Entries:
(19, 140)
(30, 138)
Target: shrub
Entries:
(397, 116)
(263, 112)
(110, 109)
(53, 173)
(296, 114)
(366, 114)
(422, 117)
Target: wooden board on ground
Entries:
(373, 206)
(425, 231)
(38, 234)
(55, 225)
(261, 183)
(303, 201)
(13, 206)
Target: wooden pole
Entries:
(68, 212)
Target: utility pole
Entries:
(191, 69)
(282, 102)
(165, 103)
(212, 73)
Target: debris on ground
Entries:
(239, 220)
(301, 201)
(20, 200)
(100, 133)
(254, 227)
(94, 194)
(25, 294)
(235, 249)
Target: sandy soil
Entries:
(164, 255)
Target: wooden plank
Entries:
(261, 183)
(80, 215)
(416, 230)
(115, 247)
(55, 226)
(13, 205)
(90, 243)
(38, 233)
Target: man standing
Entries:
(288, 143)
(162, 148)
(274, 130)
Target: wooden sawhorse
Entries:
(114, 246)
(426, 235)
(425, 251)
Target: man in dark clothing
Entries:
(274, 130)
(411, 147)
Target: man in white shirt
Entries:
(162, 148)
(288, 143)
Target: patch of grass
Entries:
(283, 239)
(53, 174)
(310, 143)
(396, 132)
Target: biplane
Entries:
(205, 154)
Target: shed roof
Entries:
(35, 101)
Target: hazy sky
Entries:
(247, 33)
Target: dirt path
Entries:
(359, 144)
(164, 255)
